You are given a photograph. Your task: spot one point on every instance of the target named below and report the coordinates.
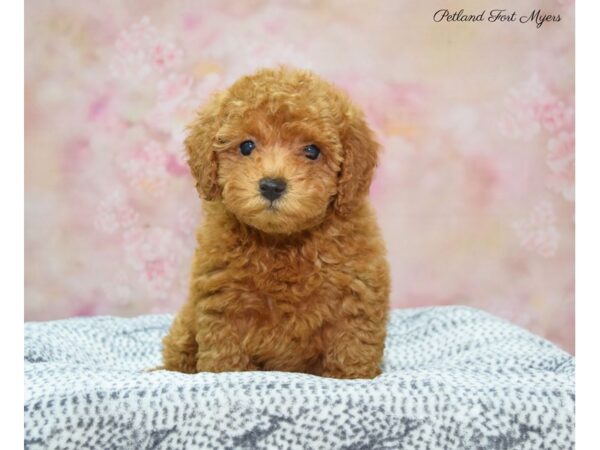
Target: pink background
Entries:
(475, 189)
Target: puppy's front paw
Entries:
(348, 373)
(237, 363)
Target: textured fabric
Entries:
(454, 378)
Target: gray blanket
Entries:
(454, 378)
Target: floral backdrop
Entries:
(474, 191)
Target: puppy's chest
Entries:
(282, 286)
(292, 272)
(282, 290)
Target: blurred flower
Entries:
(247, 54)
(556, 116)
(561, 161)
(113, 214)
(154, 253)
(521, 118)
(142, 52)
(187, 221)
(146, 167)
(530, 108)
(173, 89)
(561, 152)
(538, 233)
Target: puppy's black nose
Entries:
(272, 188)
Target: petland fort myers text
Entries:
(536, 16)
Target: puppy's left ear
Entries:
(360, 158)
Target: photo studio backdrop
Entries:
(475, 186)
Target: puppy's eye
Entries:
(312, 151)
(246, 147)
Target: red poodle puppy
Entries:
(290, 271)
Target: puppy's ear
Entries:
(360, 158)
(199, 146)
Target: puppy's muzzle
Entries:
(272, 188)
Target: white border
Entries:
(587, 219)
(12, 218)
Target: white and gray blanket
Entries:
(454, 378)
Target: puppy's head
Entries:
(282, 149)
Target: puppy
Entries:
(290, 271)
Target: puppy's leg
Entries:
(353, 348)
(179, 345)
(220, 346)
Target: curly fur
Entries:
(301, 285)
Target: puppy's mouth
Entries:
(272, 206)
